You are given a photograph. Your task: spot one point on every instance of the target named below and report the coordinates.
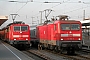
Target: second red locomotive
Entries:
(60, 35)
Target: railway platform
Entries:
(7, 52)
(86, 44)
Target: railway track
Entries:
(77, 56)
(87, 50)
(52, 55)
(37, 55)
(44, 55)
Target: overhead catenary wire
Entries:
(64, 2)
(25, 5)
(80, 2)
(51, 7)
(41, 2)
(77, 9)
(59, 3)
(21, 7)
(13, 7)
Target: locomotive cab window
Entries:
(65, 26)
(16, 28)
(75, 26)
(20, 28)
(24, 28)
(70, 26)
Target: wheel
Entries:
(48, 47)
(61, 51)
(39, 47)
(56, 49)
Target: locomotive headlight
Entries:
(61, 39)
(79, 39)
(26, 39)
(14, 39)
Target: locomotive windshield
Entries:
(24, 28)
(65, 26)
(20, 28)
(75, 26)
(16, 28)
(70, 26)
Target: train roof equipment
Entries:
(3, 19)
(63, 17)
(16, 22)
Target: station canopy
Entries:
(3, 19)
(85, 23)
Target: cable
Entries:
(21, 7)
(52, 6)
(77, 9)
(60, 3)
(13, 7)
(34, 15)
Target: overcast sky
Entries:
(31, 9)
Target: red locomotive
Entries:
(16, 33)
(60, 35)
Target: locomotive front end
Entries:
(71, 36)
(20, 34)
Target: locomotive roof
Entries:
(56, 21)
(3, 19)
(16, 22)
(67, 21)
